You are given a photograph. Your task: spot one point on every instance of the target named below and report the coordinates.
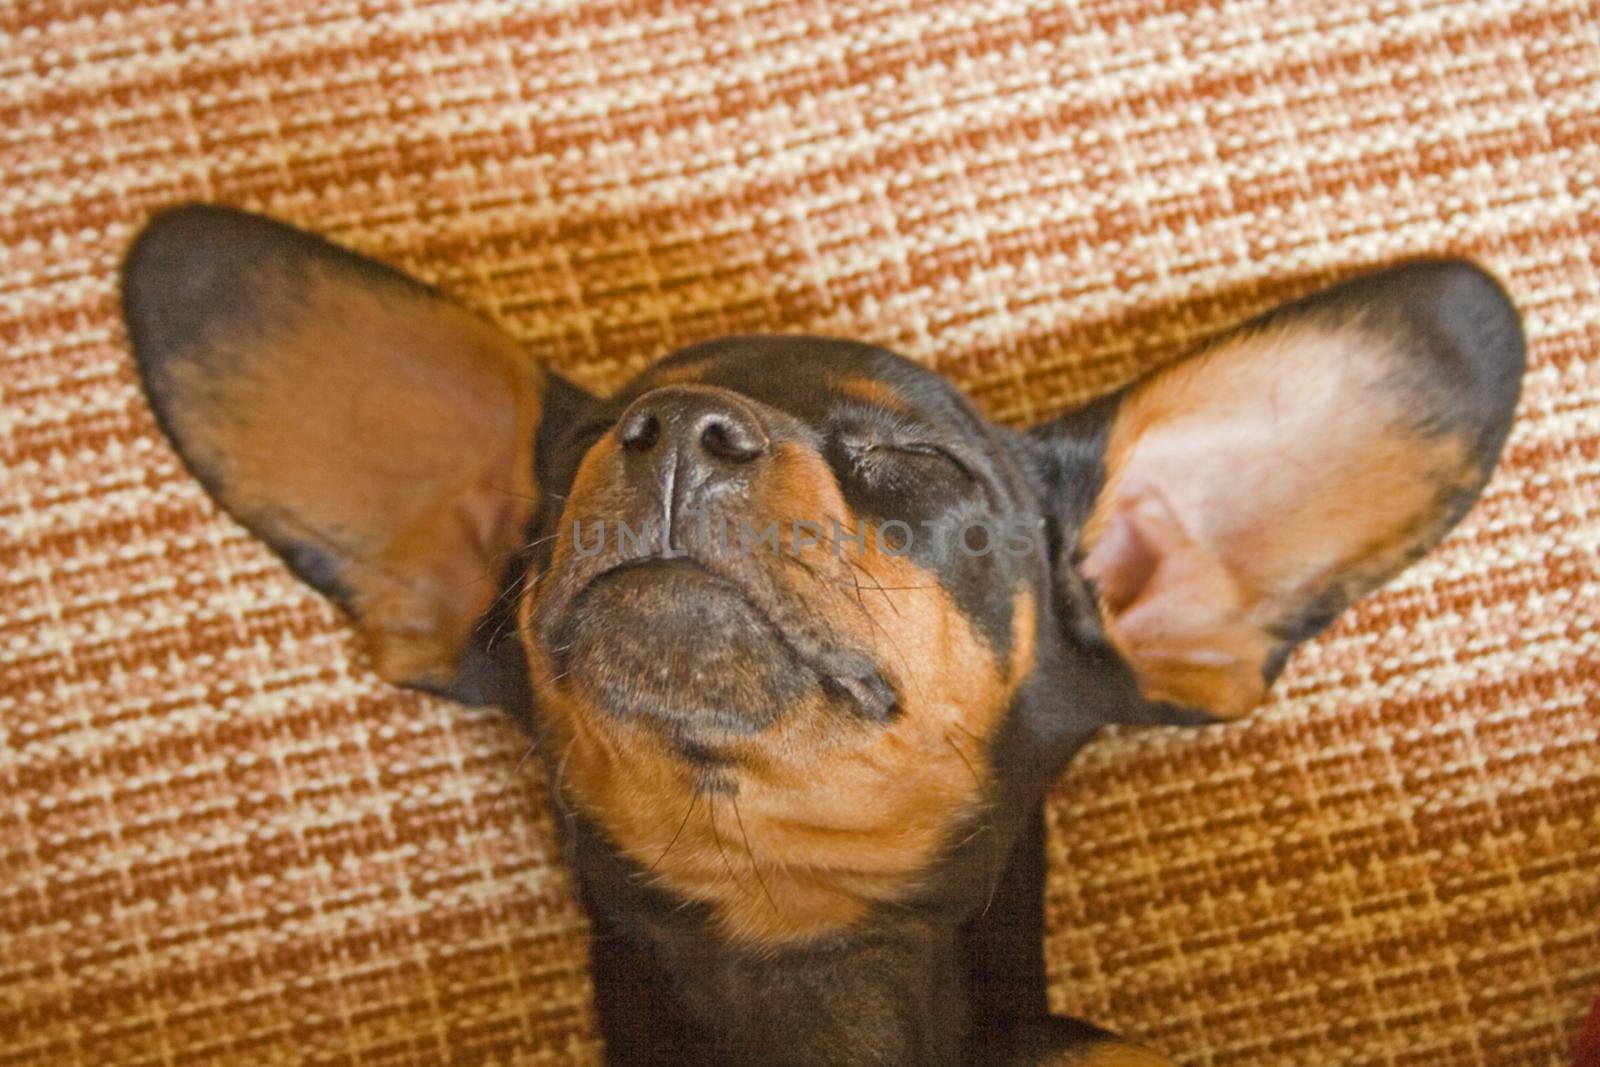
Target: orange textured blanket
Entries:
(223, 841)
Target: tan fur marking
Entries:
(871, 390)
(838, 814)
(1270, 469)
(1024, 634)
(1109, 1054)
(391, 429)
(686, 373)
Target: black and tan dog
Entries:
(802, 638)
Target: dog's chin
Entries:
(666, 641)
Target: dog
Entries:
(803, 640)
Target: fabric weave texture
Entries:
(222, 841)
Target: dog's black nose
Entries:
(694, 425)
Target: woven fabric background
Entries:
(223, 842)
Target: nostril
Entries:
(695, 425)
(641, 432)
(730, 441)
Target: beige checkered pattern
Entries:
(223, 842)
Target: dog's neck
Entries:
(670, 987)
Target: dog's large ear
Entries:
(1240, 498)
(377, 435)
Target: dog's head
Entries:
(800, 625)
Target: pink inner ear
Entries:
(1247, 482)
(1173, 609)
(1123, 561)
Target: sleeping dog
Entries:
(804, 640)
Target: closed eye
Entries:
(909, 479)
(905, 460)
(933, 452)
